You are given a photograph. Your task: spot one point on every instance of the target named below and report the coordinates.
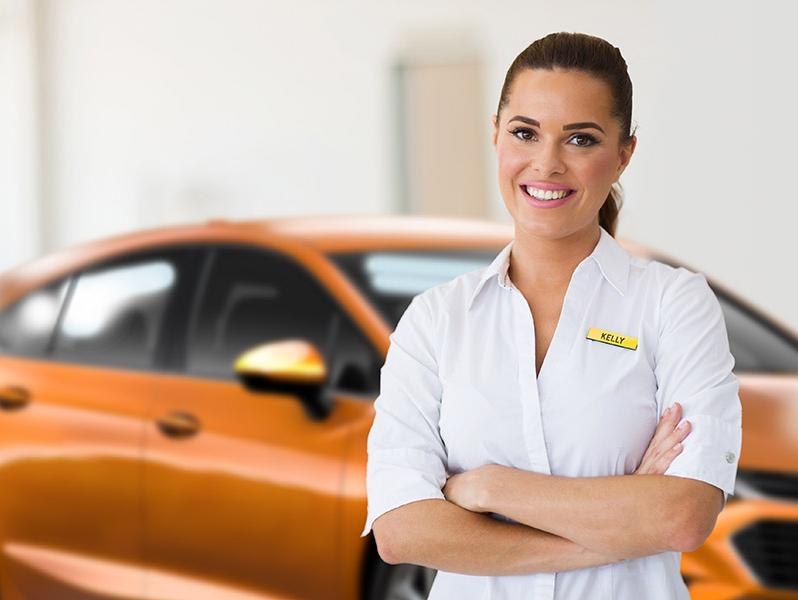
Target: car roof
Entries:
(320, 233)
(329, 233)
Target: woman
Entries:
(516, 399)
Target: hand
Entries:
(469, 489)
(666, 443)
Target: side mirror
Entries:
(289, 366)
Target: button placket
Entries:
(573, 307)
(530, 397)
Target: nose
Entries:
(548, 160)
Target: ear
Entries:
(495, 124)
(625, 155)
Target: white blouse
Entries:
(459, 390)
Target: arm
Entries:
(523, 496)
(406, 472)
(675, 510)
(627, 516)
(444, 536)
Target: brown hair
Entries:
(597, 57)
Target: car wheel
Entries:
(401, 582)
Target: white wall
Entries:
(156, 112)
(20, 213)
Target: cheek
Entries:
(599, 170)
(510, 162)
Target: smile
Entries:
(546, 198)
(546, 194)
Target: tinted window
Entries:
(355, 364)
(756, 346)
(115, 312)
(253, 297)
(26, 326)
(390, 279)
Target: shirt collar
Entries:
(609, 255)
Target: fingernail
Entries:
(683, 424)
(667, 411)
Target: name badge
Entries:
(611, 337)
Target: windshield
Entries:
(391, 278)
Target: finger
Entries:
(674, 412)
(678, 434)
(663, 440)
(643, 469)
(667, 458)
(666, 424)
(675, 437)
(670, 418)
(659, 465)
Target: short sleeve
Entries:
(406, 456)
(693, 366)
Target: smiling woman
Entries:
(526, 425)
(558, 76)
(576, 163)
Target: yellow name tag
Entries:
(610, 337)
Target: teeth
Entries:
(545, 194)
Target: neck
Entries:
(546, 264)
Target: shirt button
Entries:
(730, 456)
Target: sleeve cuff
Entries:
(711, 453)
(400, 476)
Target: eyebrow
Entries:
(582, 125)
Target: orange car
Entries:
(185, 413)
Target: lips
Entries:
(545, 185)
(545, 195)
(546, 203)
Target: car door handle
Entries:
(14, 398)
(179, 424)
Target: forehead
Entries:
(559, 96)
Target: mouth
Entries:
(554, 197)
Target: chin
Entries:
(551, 228)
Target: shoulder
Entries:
(448, 296)
(667, 282)
(421, 326)
(685, 304)
(426, 308)
(675, 297)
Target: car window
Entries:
(252, 297)
(26, 325)
(356, 365)
(757, 346)
(390, 279)
(115, 312)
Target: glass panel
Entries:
(757, 347)
(26, 326)
(254, 297)
(115, 314)
(391, 279)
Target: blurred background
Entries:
(158, 437)
(118, 115)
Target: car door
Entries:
(72, 425)
(243, 489)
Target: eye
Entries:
(525, 133)
(585, 136)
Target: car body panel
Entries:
(251, 501)
(71, 480)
